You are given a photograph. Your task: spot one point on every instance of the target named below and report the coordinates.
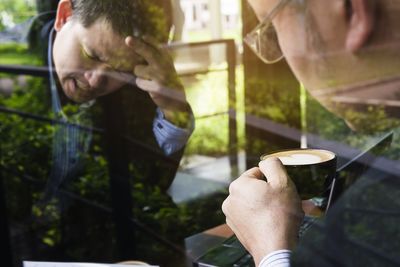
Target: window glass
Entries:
(110, 144)
(124, 122)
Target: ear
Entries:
(64, 13)
(362, 15)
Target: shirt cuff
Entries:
(170, 137)
(279, 258)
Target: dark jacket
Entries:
(124, 122)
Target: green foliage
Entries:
(17, 54)
(268, 100)
(208, 95)
(368, 123)
(13, 48)
(25, 137)
(215, 131)
(2, 26)
(323, 122)
(18, 10)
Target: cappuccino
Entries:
(312, 170)
(302, 156)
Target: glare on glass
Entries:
(263, 40)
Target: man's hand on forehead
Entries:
(158, 77)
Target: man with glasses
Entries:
(345, 52)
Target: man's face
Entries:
(311, 39)
(93, 61)
(314, 39)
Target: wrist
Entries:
(260, 251)
(261, 256)
(276, 258)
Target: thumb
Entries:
(275, 172)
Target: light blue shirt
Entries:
(169, 137)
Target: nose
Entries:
(96, 77)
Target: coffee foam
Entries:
(302, 156)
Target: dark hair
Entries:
(126, 17)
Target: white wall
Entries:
(197, 14)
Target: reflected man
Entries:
(109, 52)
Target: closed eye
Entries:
(90, 56)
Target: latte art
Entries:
(302, 156)
(299, 159)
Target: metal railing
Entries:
(230, 56)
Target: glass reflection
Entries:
(96, 158)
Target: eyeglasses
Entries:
(263, 40)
